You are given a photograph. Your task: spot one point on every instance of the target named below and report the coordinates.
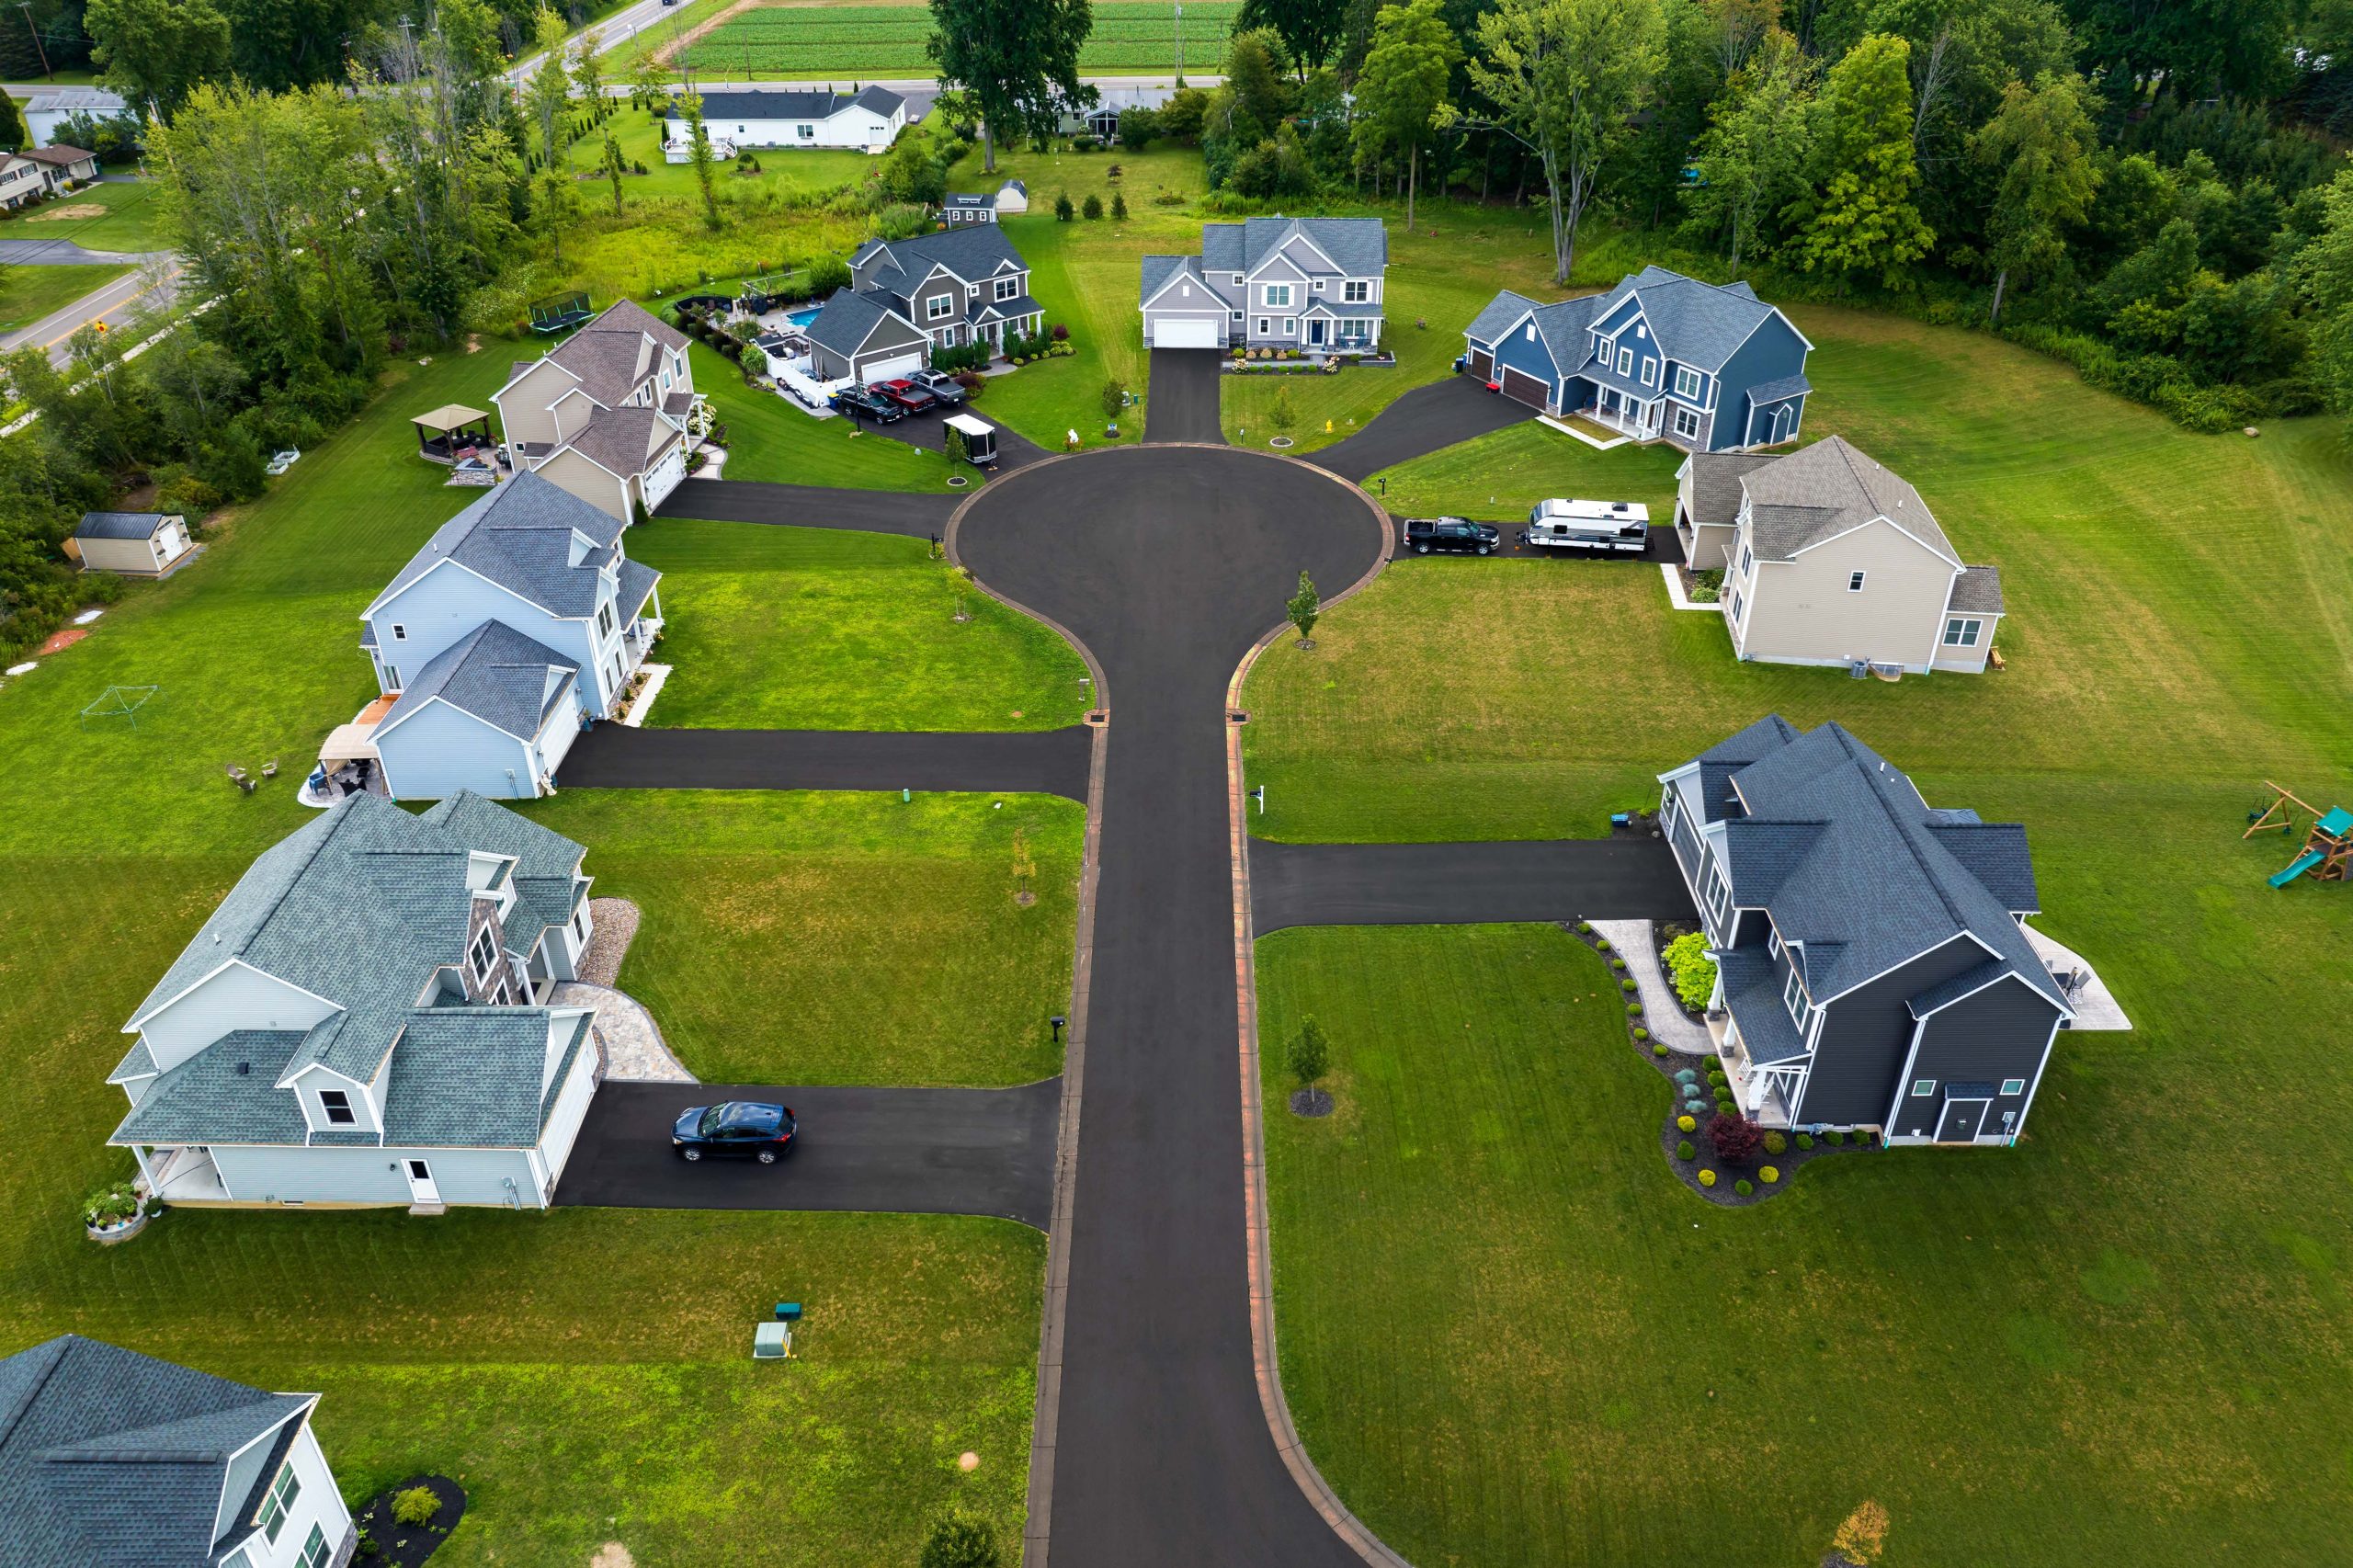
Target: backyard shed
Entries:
(136, 544)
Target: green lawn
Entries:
(29, 293)
(132, 218)
(774, 611)
(783, 172)
(2124, 1338)
(1498, 477)
(842, 939)
(770, 438)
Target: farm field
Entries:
(820, 42)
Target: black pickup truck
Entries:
(1426, 534)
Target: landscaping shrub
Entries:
(826, 274)
(110, 1205)
(1617, 963)
(1805, 1140)
(1775, 1143)
(414, 1506)
(1735, 1139)
(1626, 985)
(1601, 944)
(1059, 333)
(1684, 1151)
(1687, 1124)
(1707, 587)
(1633, 1009)
(1641, 1033)
(1743, 1186)
(1707, 1178)
(1691, 969)
(1584, 927)
(1687, 1076)
(1835, 1139)
(1657, 1050)
(1770, 1175)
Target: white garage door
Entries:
(892, 368)
(665, 476)
(1186, 332)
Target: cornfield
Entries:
(888, 41)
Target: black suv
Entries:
(859, 403)
(742, 1130)
(1426, 534)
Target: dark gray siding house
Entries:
(1872, 968)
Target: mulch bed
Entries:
(1723, 1194)
(405, 1546)
(1311, 1102)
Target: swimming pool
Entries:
(801, 318)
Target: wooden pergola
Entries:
(451, 431)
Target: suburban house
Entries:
(136, 544)
(605, 414)
(21, 180)
(109, 1458)
(46, 112)
(948, 289)
(1305, 283)
(1830, 558)
(1101, 118)
(966, 206)
(362, 1020)
(868, 121)
(64, 166)
(519, 620)
(1872, 968)
(1660, 357)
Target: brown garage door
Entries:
(1521, 387)
(1482, 364)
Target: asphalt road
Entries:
(1181, 404)
(897, 1150)
(1462, 884)
(115, 303)
(810, 507)
(1168, 565)
(62, 253)
(1662, 545)
(1417, 424)
(617, 756)
(929, 431)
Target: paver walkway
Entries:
(618, 756)
(1663, 1012)
(1444, 884)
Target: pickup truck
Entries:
(859, 403)
(939, 384)
(1426, 534)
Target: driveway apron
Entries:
(1464, 884)
(917, 514)
(1168, 565)
(1182, 402)
(1419, 422)
(618, 756)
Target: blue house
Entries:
(1704, 367)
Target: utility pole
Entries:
(26, 8)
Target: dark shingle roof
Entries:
(625, 440)
(520, 536)
(1158, 269)
(475, 1077)
(1978, 590)
(1497, 315)
(109, 1458)
(1753, 995)
(1826, 489)
(786, 103)
(972, 251)
(1774, 390)
(1715, 482)
(848, 318)
(508, 680)
(1695, 322)
(119, 525)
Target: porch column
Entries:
(139, 1153)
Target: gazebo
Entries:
(451, 432)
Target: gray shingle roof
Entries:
(472, 1077)
(520, 536)
(972, 251)
(882, 100)
(1972, 978)
(1753, 995)
(848, 318)
(625, 440)
(1358, 247)
(1016, 308)
(609, 354)
(636, 586)
(1158, 269)
(1978, 590)
(1826, 489)
(1715, 482)
(120, 524)
(206, 1100)
(1774, 390)
(1852, 863)
(1698, 324)
(545, 861)
(508, 680)
(784, 102)
(109, 1458)
(1497, 315)
(57, 153)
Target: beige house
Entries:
(605, 414)
(1831, 559)
(136, 544)
(64, 167)
(21, 180)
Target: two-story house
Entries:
(1831, 559)
(109, 1458)
(64, 167)
(868, 120)
(21, 180)
(1872, 968)
(519, 620)
(1661, 356)
(945, 289)
(606, 412)
(1311, 284)
(961, 207)
(361, 1021)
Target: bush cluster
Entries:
(1683, 1151)
(1691, 969)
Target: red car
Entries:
(906, 394)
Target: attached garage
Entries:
(1482, 364)
(1186, 332)
(890, 368)
(1521, 387)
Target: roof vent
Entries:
(244, 1069)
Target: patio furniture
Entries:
(451, 432)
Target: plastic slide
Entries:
(2303, 863)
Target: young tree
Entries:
(1309, 1055)
(958, 1541)
(649, 79)
(1064, 210)
(157, 50)
(1310, 30)
(1403, 89)
(615, 167)
(1114, 399)
(587, 71)
(1018, 58)
(2041, 141)
(1859, 214)
(1282, 415)
(699, 155)
(1565, 76)
(1751, 158)
(1092, 208)
(1305, 607)
(550, 97)
(1119, 207)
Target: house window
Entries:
(1745, 557)
(580, 924)
(1237, 315)
(1625, 361)
(1008, 288)
(1960, 631)
(1687, 424)
(1265, 327)
(392, 677)
(338, 1105)
(808, 132)
(1318, 285)
(1794, 997)
(1735, 607)
(1531, 332)
(1355, 291)
(1719, 891)
(1237, 280)
(1278, 296)
(605, 620)
(315, 1552)
(1923, 1088)
(1773, 944)
(1650, 373)
(278, 1503)
(1291, 326)
(1687, 381)
(484, 954)
(1855, 582)
(938, 306)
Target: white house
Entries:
(21, 180)
(520, 619)
(136, 544)
(109, 1457)
(1303, 283)
(45, 112)
(959, 207)
(781, 117)
(606, 412)
(361, 1021)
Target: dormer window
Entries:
(336, 1103)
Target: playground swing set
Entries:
(2327, 854)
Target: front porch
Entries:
(185, 1175)
(1763, 1094)
(1629, 415)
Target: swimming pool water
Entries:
(801, 318)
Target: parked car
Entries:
(939, 384)
(861, 404)
(1620, 527)
(1426, 534)
(734, 1130)
(906, 394)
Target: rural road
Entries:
(115, 303)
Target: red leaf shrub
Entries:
(1736, 1139)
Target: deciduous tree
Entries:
(1310, 30)
(1403, 86)
(1306, 607)
(155, 52)
(1859, 214)
(1018, 58)
(1752, 158)
(2041, 141)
